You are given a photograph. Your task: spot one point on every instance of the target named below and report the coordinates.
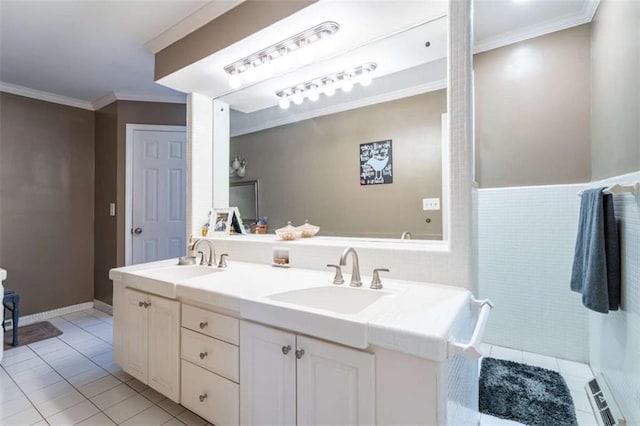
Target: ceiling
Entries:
(86, 50)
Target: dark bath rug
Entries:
(526, 394)
(31, 333)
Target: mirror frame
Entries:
(256, 192)
(450, 261)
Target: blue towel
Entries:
(596, 264)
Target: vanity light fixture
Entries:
(326, 84)
(281, 53)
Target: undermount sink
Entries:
(341, 300)
(178, 273)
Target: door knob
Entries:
(203, 325)
(300, 353)
(286, 349)
(202, 397)
(137, 231)
(141, 304)
(203, 355)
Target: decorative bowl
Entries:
(288, 233)
(308, 230)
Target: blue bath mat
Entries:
(526, 394)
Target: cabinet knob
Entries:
(203, 325)
(202, 397)
(300, 353)
(141, 304)
(286, 349)
(147, 304)
(203, 355)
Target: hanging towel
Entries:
(596, 263)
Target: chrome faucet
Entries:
(355, 273)
(211, 260)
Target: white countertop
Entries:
(415, 318)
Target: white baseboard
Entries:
(42, 316)
(103, 307)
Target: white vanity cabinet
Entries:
(150, 341)
(210, 365)
(288, 379)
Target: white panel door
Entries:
(164, 346)
(159, 195)
(267, 376)
(135, 339)
(336, 385)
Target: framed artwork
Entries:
(376, 163)
(227, 221)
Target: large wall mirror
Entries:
(358, 162)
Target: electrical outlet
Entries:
(112, 209)
(431, 204)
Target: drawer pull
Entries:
(202, 397)
(300, 353)
(203, 325)
(203, 355)
(141, 303)
(286, 349)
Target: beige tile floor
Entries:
(72, 379)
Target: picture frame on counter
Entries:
(227, 221)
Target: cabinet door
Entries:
(164, 346)
(267, 376)
(336, 385)
(135, 334)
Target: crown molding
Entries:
(197, 19)
(346, 106)
(103, 101)
(137, 97)
(543, 28)
(44, 96)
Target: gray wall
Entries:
(532, 111)
(310, 169)
(111, 124)
(47, 193)
(615, 88)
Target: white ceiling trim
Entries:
(199, 18)
(44, 96)
(333, 109)
(104, 101)
(91, 106)
(538, 30)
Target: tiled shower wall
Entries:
(526, 243)
(526, 238)
(614, 346)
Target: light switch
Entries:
(431, 204)
(112, 209)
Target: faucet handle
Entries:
(337, 279)
(376, 284)
(223, 262)
(203, 260)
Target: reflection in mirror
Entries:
(244, 196)
(362, 162)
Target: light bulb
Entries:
(325, 45)
(297, 97)
(235, 81)
(305, 53)
(329, 89)
(347, 84)
(365, 78)
(286, 61)
(250, 74)
(313, 94)
(267, 68)
(284, 102)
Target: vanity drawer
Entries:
(215, 325)
(214, 355)
(210, 396)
